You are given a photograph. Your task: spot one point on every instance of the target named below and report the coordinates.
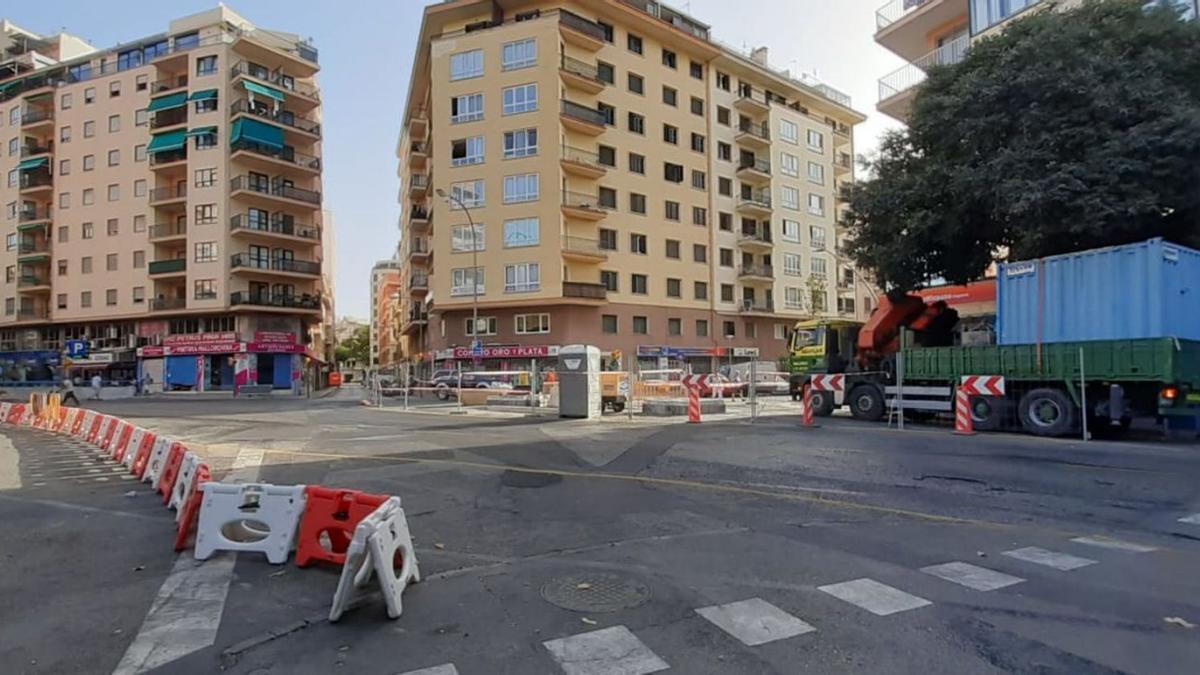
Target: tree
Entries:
(1069, 130)
(355, 348)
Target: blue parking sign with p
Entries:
(77, 349)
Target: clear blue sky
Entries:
(366, 54)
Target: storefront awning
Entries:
(32, 163)
(257, 132)
(255, 88)
(167, 102)
(203, 95)
(172, 140)
(202, 131)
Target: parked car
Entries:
(446, 382)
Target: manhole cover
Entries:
(595, 592)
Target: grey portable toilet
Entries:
(579, 381)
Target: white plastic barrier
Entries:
(182, 489)
(89, 418)
(372, 552)
(4, 409)
(131, 448)
(158, 459)
(256, 517)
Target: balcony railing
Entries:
(583, 200)
(274, 264)
(760, 306)
(284, 117)
(279, 79)
(285, 154)
(757, 270)
(418, 317)
(842, 160)
(168, 157)
(32, 313)
(757, 129)
(28, 247)
(274, 225)
(581, 68)
(418, 281)
(36, 149)
(33, 180)
(754, 237)
(576, 22)
(583, 113)
(167, 84)
(304, 301)
(579, 289)
(169, 118)
(168, 266)
(895, 10)
(162, 194)
(759, 165)
(35, 116)
(278, 190)
(419, 213)
(418, 181)
(31, 280)
(29, 215)
(163, 230)
(583, 245)
(760, 198)
(580, 156)
(419, 148)
(909, 76)
(167, 304)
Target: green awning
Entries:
(31, 226)
(172, 140)
(168, 102)
(203, 95)
(202, 131)
(257, 132)
(256, 88)
(32, 163)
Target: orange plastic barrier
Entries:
(191, 510)
(335, 513)
(142, 458)
(166, 482)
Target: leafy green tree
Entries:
(1068, 130)
(356, 348)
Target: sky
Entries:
(366, 50)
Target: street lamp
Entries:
(474, 265)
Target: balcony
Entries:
(36, 118)
(168, 232)
(168, 159)
(754, 240)
(756, 272)
(251, 299)
(245, 262)
(297, 91)
(33, 251)
(274, 227)
(581, 75)
(583, 206)
(27, 218)
(33, 313)
(897, 88)
(169, 84)
(583, 163)
(583, 119)
(752, 104)
(167, 304)
(419, 251)
(750, 306)
(418, 154)
(903, 26)
(418, 123)
(418, 218)
(418, 284)
(169, 118)
(35, 149)
(278, 190)
(33, 283)
(168, 268)
(584, 291)
(753, 134)
(584, 250)
(843, 163)
(285, 155)
(755, 202)
(579, 31)
(753, 170)
(284, 118)
(161, 196)
(36, 181)
(418, 185)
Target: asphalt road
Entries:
(718, 548)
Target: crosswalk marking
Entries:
(1115, 544)
(972, 576)
(876, 598)
(444, 669)
(755, 621)
(1064, 562)
(608, 651)
(1193, 519)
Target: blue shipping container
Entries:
(1145, 290)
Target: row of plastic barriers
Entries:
(366, 534)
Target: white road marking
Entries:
(876, 598)
(1114, 544)
(1193, 519)
(246, 466)
(755, 621)
(1064, 562)
(10, 463)
(444, 669)
(972, 576)
(608, 651)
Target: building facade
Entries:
(603, 172)
(387, 342)
(162, 205)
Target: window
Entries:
(608, 239)
(724, 151)
(789, 132)
(114, 89)
(791, 264)
(637, 203)
(141, 82)
(532, 324)
(64, 200)
(204, 289)
(609, 113)
(114, 157)
(114, 123)
(699, 179)
(85, 264)
(608, 31)
(723, 115)
(723, 81)
(725, 256)
(673, 172)
(608, 323)
(697, 142)
(139, 259)
(637, 123)
(464, 279)
(89, 162)
(519, 54)
(637, 84)
(141, 117)
(816, 235)
(87, 231)
(791, 230)
(466, 65)
(139, 294)
(206, 251)
(725, 186)
(85, 299)
(669, 59)
(205, 105)
(61, 301)
(63, 234)
(701, 327)
(609, 279)
(671, 134)
(139, 153)
(520, 99)
(520, 143)
(637, 163)
(467, 108)
(816, 204)
(89, 129)
(674, 288)
(205, 214)
(750, 329)
(671, 210)
(205, 178)
(674, 327)
(64, 133)
(206, 65)
(817, 267)
(486, 326)
(89, 196)
(89, 95)
(670, 96)
(64, 167)
(816, 173)
(789, 165)
(605, 72)
(699, 216)
(606, 155)
(112, 227)
(607, 198)
(789, 197)
(672, 250)
(696, 70)
(816, 140)
(462, 238)
(522, 278)
(466, 151)
(641, 325)
(637, 243)
(634, 43)
(139, 223)
(110, 262)
(469, 193)
(522, 232)
(521, 188)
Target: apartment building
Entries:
(605, 172)
(929, 33)
(162, 206)
(387, 341)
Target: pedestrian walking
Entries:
(67, 391)
(97, 383)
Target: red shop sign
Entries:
(194, 338)
(205, 348)
(511, 352)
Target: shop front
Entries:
(220, 362)
(692, 359)
(498, 358)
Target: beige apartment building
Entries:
(162, 205)
(633, 184)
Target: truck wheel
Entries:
(822, 403)
(866, 403)
(988, 412)
(1048, 412)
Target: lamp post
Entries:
(474, 266)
